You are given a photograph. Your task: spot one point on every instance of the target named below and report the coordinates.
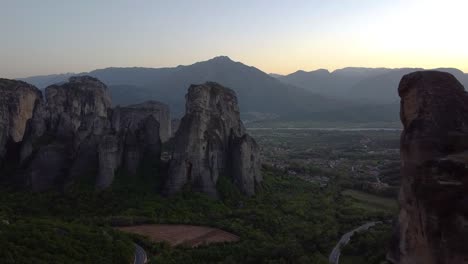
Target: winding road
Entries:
(335, 254)
(140, 255)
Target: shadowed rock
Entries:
(245, 163)
(67, 127)
(211, 141)
(433, 221)
(133, 139)
(160, 112)
(109, 160)
(76, 134)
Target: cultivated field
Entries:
(188, 235)
(371, 202)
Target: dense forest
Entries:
(288, 221)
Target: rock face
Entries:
(61, 138)
(134, 138)
(17, 101)
(160, 112)
(175, 125)
(76, 134)
(433, 221)
(211, 141)
(245, 163)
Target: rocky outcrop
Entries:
(211, 141)
(245, 163)
(76, 134)
(433, 220)
(175, 125)
(110, 157)
(61, 138)
(135, 137)
(160, 112)
(17, 101)
(19, 98)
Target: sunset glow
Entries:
(45, 37)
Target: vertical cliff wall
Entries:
(75, 134)
(160, 113)
(211, 141)
(17, 101)
(433, 220)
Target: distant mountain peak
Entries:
(299, 71)
(221, 59)
(218, 61)
(302, 72)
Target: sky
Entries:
(276, 36)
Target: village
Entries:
(366, 160)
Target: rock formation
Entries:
(17, 101)
(160, 112)
(75, 134)
(135, 137)
(175, 122)
(433, 221)
(61, 138)
(211, 141)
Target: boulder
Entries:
(211, 141)
(433, 220)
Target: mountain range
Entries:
(349, 94)
(373, 85)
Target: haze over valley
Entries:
(348, 95)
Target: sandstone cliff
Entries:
(76, 134)
(211, 141)
(433, 221)
(17, 101)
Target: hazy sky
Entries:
(57, 36)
